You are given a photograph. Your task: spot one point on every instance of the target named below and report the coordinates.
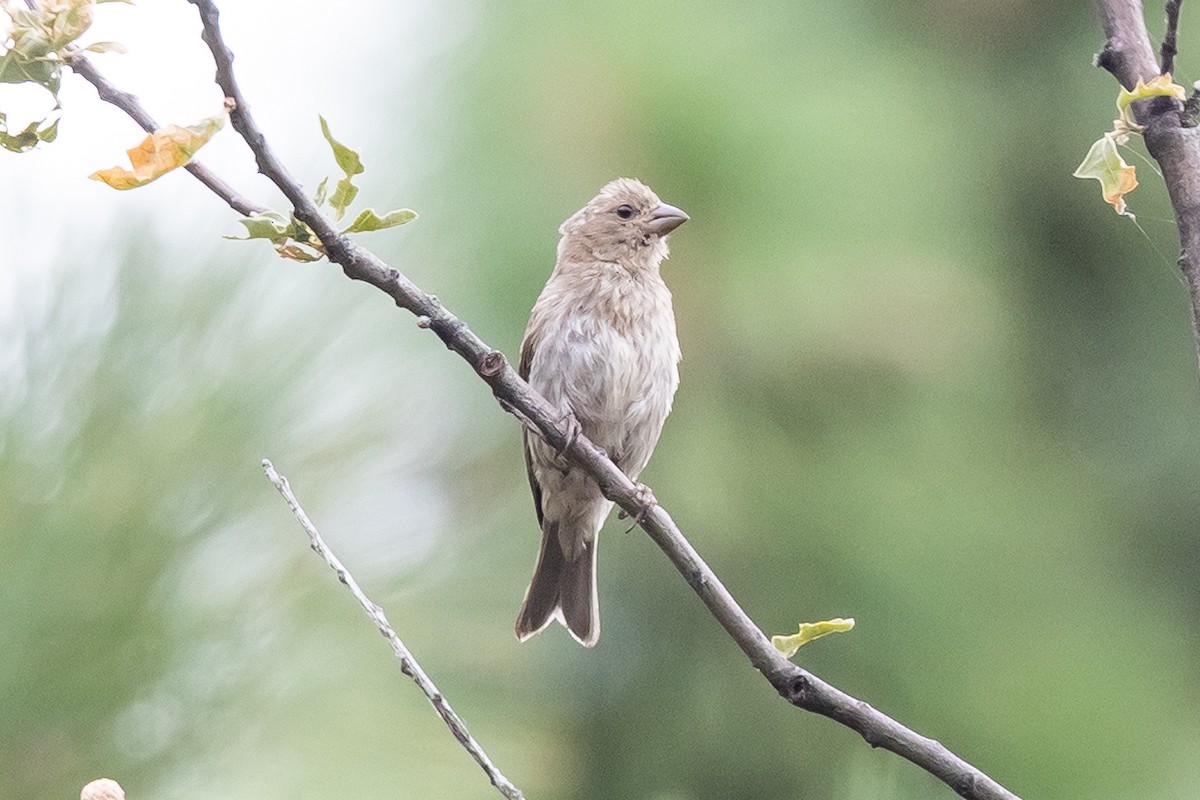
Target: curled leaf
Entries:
(1104, 163)
(295, 252)
(1158, 86)
(163, 150)
(788, 645)
(368, 220)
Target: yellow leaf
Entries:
(1104, 163)
(162, 151)
(788, 645)
(1159, 86)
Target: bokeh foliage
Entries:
(930, 381)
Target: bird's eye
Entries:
(625, 211)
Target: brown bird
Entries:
(601, 346)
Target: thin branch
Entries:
(408, 664)
(795, 684)
(1171, 37)
(1129, 56)
(131, 106)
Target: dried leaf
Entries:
(1104, 163)
(166, 149)
(297, 253)
(107, 47)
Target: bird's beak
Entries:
(665, 219)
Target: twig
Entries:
(408, 664)
(1129, 56)
(130, 105)
(1170, 38)
(797, 685)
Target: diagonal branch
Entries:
(795, 684)
(408, 664)
(1172, 139)
(131, 106)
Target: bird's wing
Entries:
(527, 348)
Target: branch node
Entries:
(1107, 59)
(492, 364)
(798, 691)
(966, 785)
(423, 322)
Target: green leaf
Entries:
(368, 220)
(809, 631)
(1159, 86)
(320, 194)
(343, 195)
(28, 138)
(347, 159)
(270, 225)
(43, 72)
(1104, 163)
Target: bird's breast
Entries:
(617, 369)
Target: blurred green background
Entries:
(930, 381)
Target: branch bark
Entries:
(1171, 135)
(408, 664)
(796, 685)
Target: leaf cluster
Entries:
(293, 239)
(1103, 161)
(38, 43)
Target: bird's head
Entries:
(626, 223)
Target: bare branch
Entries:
(1128, 55)
(408, 664)
(1171, 37)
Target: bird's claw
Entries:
(574, 430)
(646, 502)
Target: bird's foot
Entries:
(646, 502)
(574, 429)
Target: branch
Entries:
(130, 105)
(408, 664)
(1172, 140)
(1171, 37)
(795, 684)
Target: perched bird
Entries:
(601, 346)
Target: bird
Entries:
(601, 347)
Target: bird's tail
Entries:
(563, 588)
